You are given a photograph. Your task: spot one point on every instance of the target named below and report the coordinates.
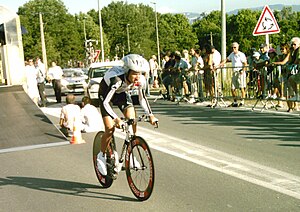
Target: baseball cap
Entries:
(263, 45)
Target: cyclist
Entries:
(115, 89)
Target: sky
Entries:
(162, 6)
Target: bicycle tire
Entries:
(105, 181)
(140, 175)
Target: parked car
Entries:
(73, 81)
(95, 75)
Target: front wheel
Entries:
(105, 181)
(139, 168)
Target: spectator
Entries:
(168, 73)
(216, 56)
(239, 63)
(195, 75)
(208, 71)
(70, 116)
(181, 66)
(90, 116)
(153, 71)
(252, 74)
(294, 63)
(274, 75)
(55, 74)
(263, 71)
(41, 75)
(31, 79)
(282, 60)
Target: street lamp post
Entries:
(157, 38)
(101, 35)
(128, 41)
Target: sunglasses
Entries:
(234, 47)
(293, 44)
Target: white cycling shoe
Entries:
(101, 163)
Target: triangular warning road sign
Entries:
(267, 23)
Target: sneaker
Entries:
(136, 163)
(274, 96)
(101, 163)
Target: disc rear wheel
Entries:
(105, 181)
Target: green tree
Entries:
(176, 33)
(62, 41)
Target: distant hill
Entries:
(295, 8)
(194, 16)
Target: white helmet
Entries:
(136, 63)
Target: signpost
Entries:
(266, 24)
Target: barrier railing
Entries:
(264, 84)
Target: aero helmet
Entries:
(136, 63)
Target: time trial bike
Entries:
(136, 154)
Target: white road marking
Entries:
(249, 171)
(38, 146)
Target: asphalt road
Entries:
(222, 159)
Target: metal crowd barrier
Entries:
(261, 83)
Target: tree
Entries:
(176, 33)
(62, 41)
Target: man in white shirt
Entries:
(90, 117)
(55, 74)
(239, 62)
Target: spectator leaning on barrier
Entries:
(181, 66)
(263, 71)
(239, 63)
(274, 74)
(295, 62)
(208, 71)
(196, 78)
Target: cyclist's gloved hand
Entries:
(118, 122)
(153, 120)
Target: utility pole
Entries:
(223, 42)
(44, 54)
(101, 34)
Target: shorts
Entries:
(122, 100)
(238, 80)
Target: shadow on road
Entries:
(247, 124)
(62, 187)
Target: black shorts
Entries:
(122, 100)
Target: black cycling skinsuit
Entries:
(114, 90)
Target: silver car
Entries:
(95, 75)
(73, 81)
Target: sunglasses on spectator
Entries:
(234, 47)
(293, 44)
